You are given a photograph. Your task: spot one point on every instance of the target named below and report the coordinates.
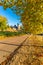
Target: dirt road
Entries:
(7, 46)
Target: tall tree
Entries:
(31, 12)
(3, 23)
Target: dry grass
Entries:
(2, 37)
(36, 39)
(29, 55)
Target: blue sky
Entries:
(11, 17)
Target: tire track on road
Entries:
(9, 58)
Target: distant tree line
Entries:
(4, 24)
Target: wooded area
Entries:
(30, 12)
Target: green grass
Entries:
(7, 33)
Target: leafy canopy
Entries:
(30, 11)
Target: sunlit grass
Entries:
(36, 39)
(8, 33)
